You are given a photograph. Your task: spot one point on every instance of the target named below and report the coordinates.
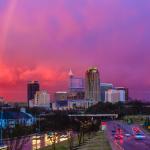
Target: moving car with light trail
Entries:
(139, 136)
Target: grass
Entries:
(59, 146)
(97, 142)
(138, 119)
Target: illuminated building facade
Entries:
(32, 88)
(92, 85)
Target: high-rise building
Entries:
(103, 88)
(42, 99)
(75, 83)
(114, 96)
(76, 87)
(32, 88)
(92, 85)
(126, 92)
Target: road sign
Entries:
(103, 125)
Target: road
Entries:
(126, 143)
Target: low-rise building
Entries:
(11, 119)
(104, 87)
(126, 92)
(114, 96)
(42, 99)
(60, 95)
(78, 104)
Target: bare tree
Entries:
(17, 143)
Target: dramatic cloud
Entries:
(41, 40)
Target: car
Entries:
(139, 136)
(113, 131)
(3, 147)
(118, 136)
(127, 134)
(136, 129)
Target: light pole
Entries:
(70, 139)
(1, 135)
(38, 130)
(39, 123)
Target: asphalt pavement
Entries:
(126, 142)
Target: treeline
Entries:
(122, 109)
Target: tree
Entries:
(17, 137)
(17, 143)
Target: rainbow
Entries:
(7, 23)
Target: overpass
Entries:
(93, 115)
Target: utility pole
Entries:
(1, 135)
(39, 124)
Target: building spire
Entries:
(70, 73)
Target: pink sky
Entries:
(41, 40)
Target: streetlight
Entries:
(1, 135)
(37, 135)
(70, 138)
(1, 131)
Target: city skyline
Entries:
(42, 40)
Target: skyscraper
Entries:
(75, 83)
(92, 85)
(76, 87)
(32, 88)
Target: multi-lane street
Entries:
(127, 137)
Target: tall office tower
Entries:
(32, 88)
(76, 87)
(126, 92)
(92, 85)
(75, 83)
(103, 88)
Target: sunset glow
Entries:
(42, 39)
